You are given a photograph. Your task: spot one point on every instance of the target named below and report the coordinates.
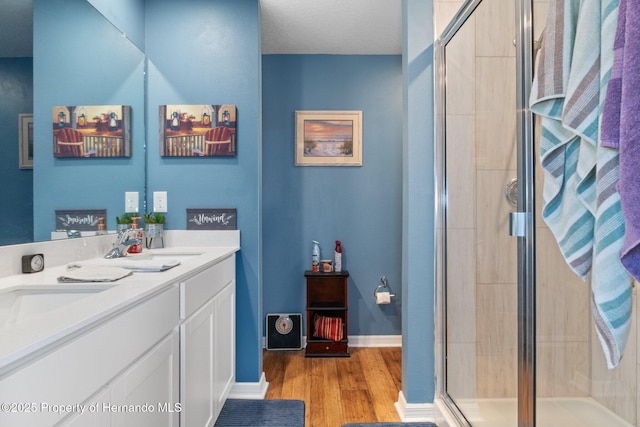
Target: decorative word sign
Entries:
(211, 219)
(79, 219)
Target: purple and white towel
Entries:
(621, 126)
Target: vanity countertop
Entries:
(38, 334)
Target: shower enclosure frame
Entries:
(523, 222)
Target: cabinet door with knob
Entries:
(207, 343)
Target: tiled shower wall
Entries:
(481, 263)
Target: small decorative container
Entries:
(122, 227)
(102, 227)
(154, 231)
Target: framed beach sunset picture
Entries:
(328, 138)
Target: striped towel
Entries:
(564, 210)
(611, 284)
(590, 70)
(580, 203)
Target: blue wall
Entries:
(204, 52)
(16, 197)
(361, 206)
(100, 67)
(418, 221)
(126, 15)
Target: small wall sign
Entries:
(211, 219)
(79, 219)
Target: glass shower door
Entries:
(480, 170)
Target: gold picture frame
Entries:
(25, 141)
(328, 138)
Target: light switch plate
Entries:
(131, 201)
(160, 201)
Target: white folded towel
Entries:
(143, 265)
(94, 273)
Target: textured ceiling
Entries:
(331, 26)
(288, 27)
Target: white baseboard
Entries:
(375, 341)
(414, 412)
(250, 390)
(363, 341)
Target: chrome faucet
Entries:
(126, 238)
(73, 234)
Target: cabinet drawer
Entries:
(327, 348)
(200, 288)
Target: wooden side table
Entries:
(327, 296)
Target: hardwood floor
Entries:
(336, 391)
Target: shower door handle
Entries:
(518, 224)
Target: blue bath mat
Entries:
(261, 413)
(390, 425)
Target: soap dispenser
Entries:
(102, 227)
(136, 233)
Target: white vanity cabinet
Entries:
(156, 349)
(207, 343)
(128, 358)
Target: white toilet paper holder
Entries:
(383, 288)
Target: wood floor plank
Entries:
(393, 360)
(315, 403)
(336, 391)
(296, 383)
(381, 385)
(330, 392)
(350, 372)
(357, 407)
(274, 368)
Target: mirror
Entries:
(16, 97)
(79, 58)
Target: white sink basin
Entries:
(21, 302)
